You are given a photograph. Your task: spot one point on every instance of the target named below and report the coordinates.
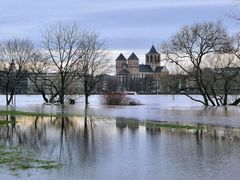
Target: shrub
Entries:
(118, 99)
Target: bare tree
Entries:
(234, 13)
(94, 64)
(14, 55)
(223, 77)
(43, 82)
(65, 48)
(189, 49)
(236, 53)
(38, 75)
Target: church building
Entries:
(129, 70)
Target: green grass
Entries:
(15, 160)
(23, 113)
(173, 126)
(4, 122)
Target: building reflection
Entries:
(84, 139)
(90, 144)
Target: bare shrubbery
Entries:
(118, 99)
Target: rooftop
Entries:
(145, 68)
(121, 58)
(159, 69)
(153, 50)
(133, 57)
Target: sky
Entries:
(125, 25)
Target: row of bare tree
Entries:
(68, 55)
(209, 58)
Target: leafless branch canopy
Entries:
(74, 53)
(197, 50)
(15, 56)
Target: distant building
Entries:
(106, 84)
(45, 80)
(21, 84)
(129, 71)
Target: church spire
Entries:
(153, 58)
(153, 50)
(121, 58)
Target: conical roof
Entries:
(121, 58)
(153, 50)
(12, 66)
(133, 57)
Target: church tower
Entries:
(153, 58)
(12, 67)
(133, 65)
(121, 63)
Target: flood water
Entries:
(169, 108)
(110, 142)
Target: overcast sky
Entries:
(126, 25)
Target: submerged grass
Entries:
(23, 113)
(4, 122)
(15, 160)
(173, 126)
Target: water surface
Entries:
(117, 148)
(115, 142)
(171, 108)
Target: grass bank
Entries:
(24, 113)
(4, 122)
(15, 160)
(173, 126)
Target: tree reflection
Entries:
(39, 134)
(80, 141)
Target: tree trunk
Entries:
(6, 99)
(61, 99)
(236, 102)
(215, 96)
(227, 88)
(202, 91)
(9, 98)
(44, 97)
(86, 99)
(225, 99)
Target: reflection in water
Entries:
(218, 132)
(177, 108)
(130, 123)
(99, 148)
(33, 133)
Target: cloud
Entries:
(144, 27)
(108, 5)
(125, 24)
(58, 7)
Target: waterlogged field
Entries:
(165, 138)
(91, 147)
(168, 108)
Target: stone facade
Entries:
(128, 71)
